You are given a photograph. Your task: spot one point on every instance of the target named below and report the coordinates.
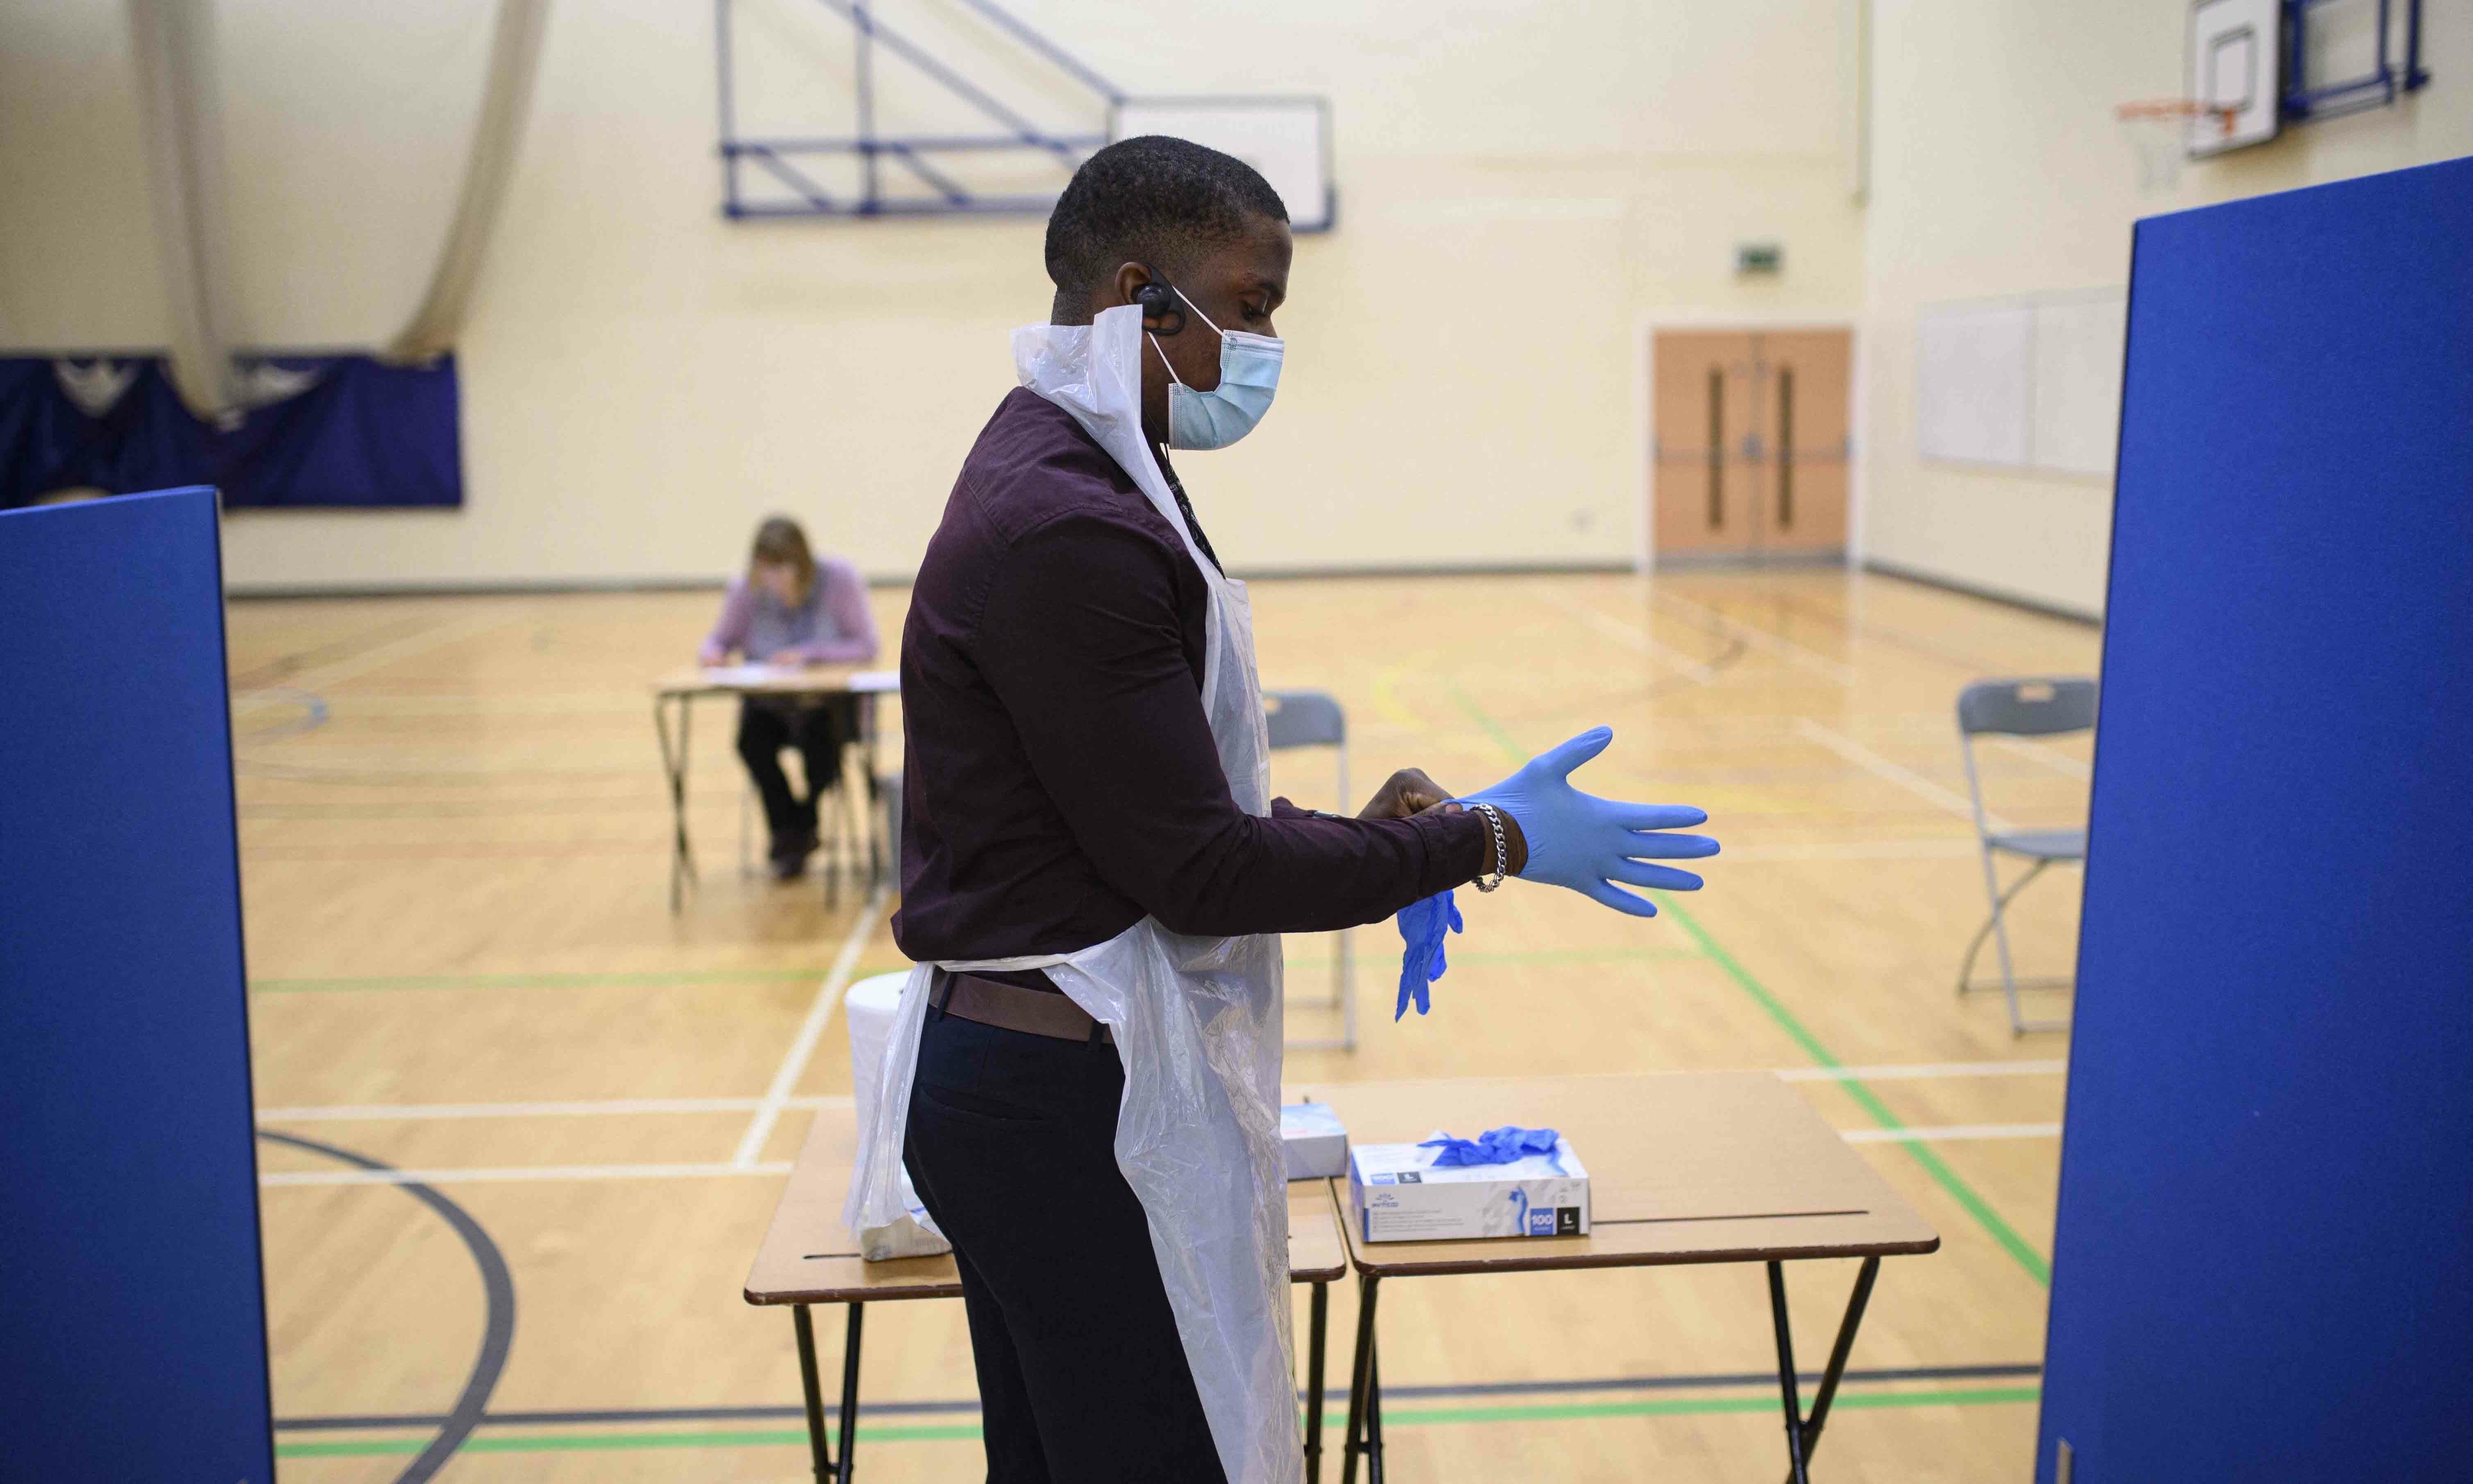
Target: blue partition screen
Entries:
(2264, 1261)
(133, 1329)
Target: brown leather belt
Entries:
(1013, 1008)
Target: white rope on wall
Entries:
(506, 98)
(172, 41)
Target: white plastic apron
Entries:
(1197, 1020)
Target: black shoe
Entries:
(790, 854)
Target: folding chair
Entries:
(1312, 718)
(2018, 708)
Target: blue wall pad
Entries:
(315, 430)
(2264, 1262)
(133, 1330)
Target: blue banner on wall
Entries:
(313, 430)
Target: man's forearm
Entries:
(1301, 873)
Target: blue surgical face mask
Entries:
(1249, 373)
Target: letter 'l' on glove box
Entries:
(1315, 1140)
(1398, 1194)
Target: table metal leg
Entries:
(818, 1454)
(1837, 1354)
(1318, 1325)
(1360, 1371)
(1803, 1433)
(674, 763)
(849, 1437)
(1786, 1374)
(1374, 1416)
(878, 849)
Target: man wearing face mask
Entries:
(1084, 1084)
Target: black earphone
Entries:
(1160, 302)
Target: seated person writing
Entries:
(791, 609)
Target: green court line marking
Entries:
(669, 979)
(1690, 1406)
(1550, 956)
(600, 1442)
(2017, 1247)
(1492, 728)
(785, 1436)
(2036, 1266)
(564, 981)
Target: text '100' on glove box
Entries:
(1397, 1193)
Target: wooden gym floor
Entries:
(454, 841)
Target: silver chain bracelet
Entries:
(1501, 847)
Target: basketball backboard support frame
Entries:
(2265, 59)
(2385, 79)
(774, 175)
(1291, 148)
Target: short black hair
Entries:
(1150, 199)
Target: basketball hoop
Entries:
(2163, 130)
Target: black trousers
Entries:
(819, 730)
(1082, 1378)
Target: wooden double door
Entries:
(1749, 453)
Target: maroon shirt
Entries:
(1060, 782)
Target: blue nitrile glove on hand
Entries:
(1590, 844)
(1423, 925)
(1505, 1146)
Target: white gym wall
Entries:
(1518, 189)
(1999, 174)
(642, 380)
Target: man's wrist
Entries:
(1512, 838)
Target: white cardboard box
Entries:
(1397, 1194)
(1315, 1140)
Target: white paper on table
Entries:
(871, 682)
(749, 674)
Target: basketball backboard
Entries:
(1288, 140)
(2235, 62)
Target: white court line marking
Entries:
(416, 1112)
(1950, 1131)
(1857, 850)
(1761, 639)
(778, 1096)
(375, 1113)
(520, 1173)
(319, 676)
(1915, 1072)
(2052, 758)
(1905, 777)
(1628, 637)
(526, 1174)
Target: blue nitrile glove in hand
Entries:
(1505, 1145)
(1424, 925)
(1589, 844)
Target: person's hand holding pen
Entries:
(1409, 792)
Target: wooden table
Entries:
(681, 688)
(805, 1261)
(1683, 1167)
